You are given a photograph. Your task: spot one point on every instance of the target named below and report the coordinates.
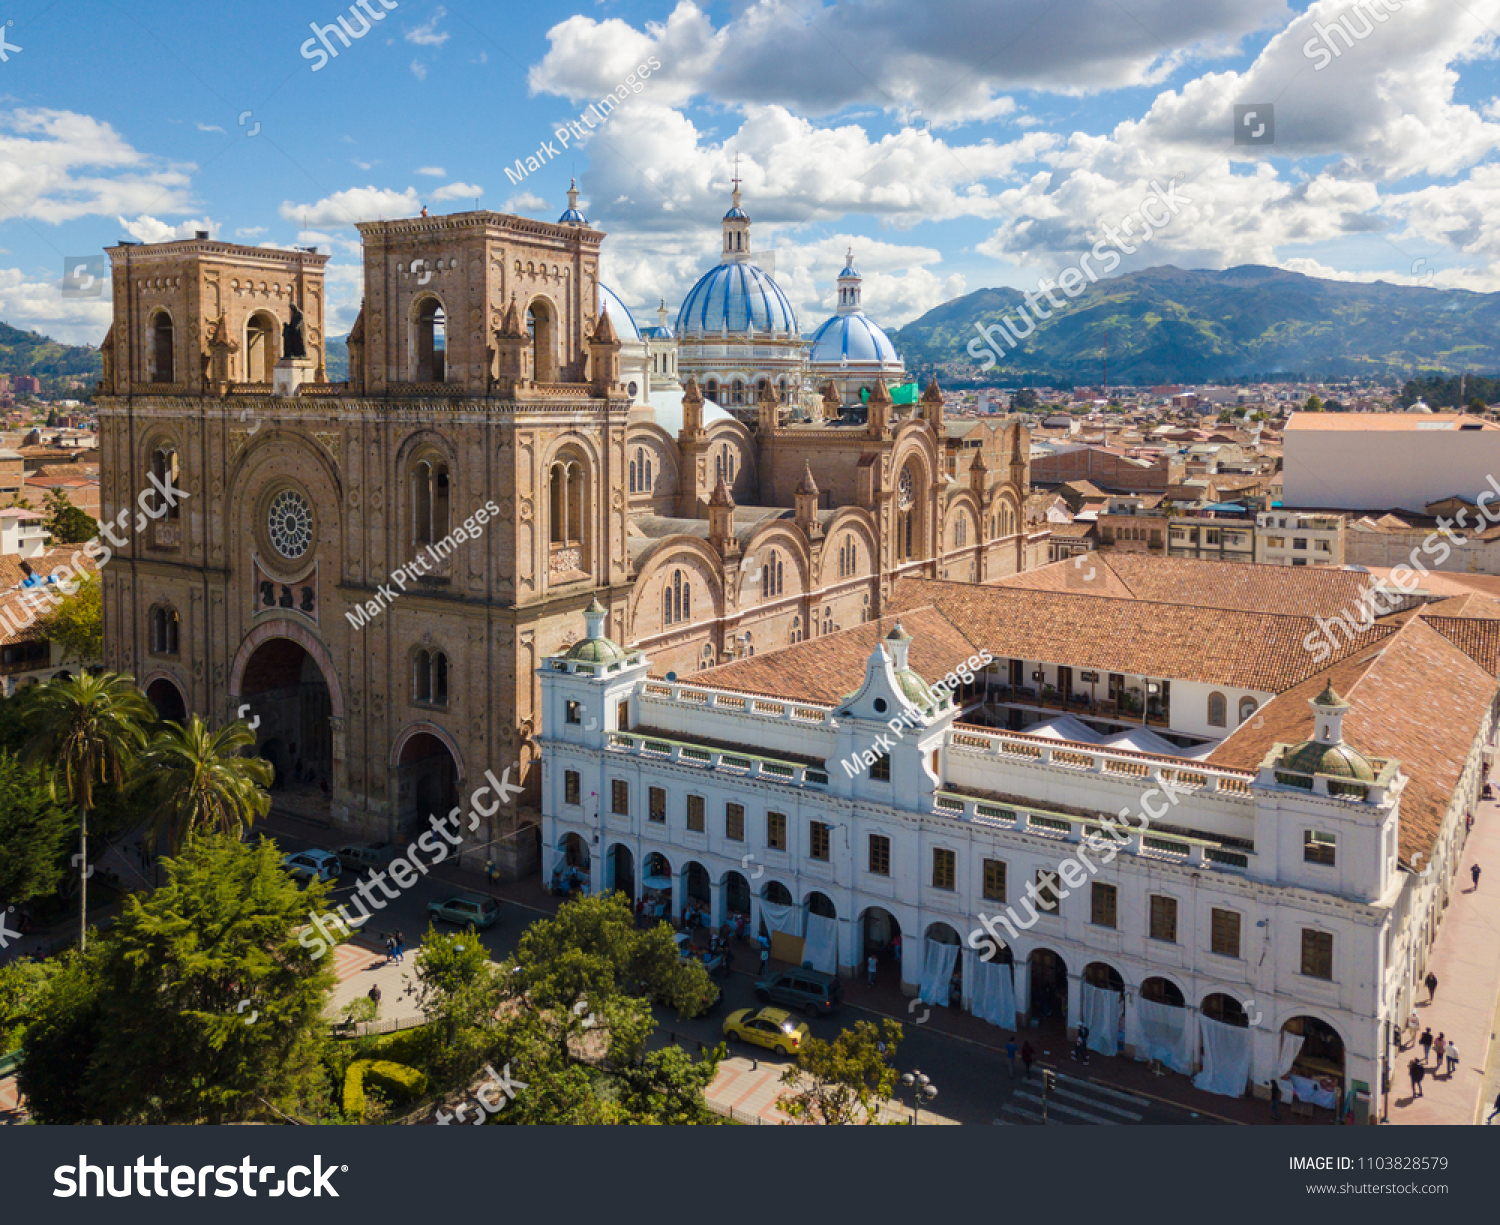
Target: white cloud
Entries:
(427, 34)
(436, 172)
(365, 165)
(419, 70)
(149, 229)
(40, 306)
(209, 127)
(457, 191)
(59, 165)
(250, 231)
(524, 203)
(344, 208)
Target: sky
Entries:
(953, 145)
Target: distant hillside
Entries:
(47, 359)
(1170, 325)
(336, 358)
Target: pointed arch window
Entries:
(796, 630)
(1217, 712)
(429, 500)
(677, 599)
(164, 630)
(163, 349)
(166, 471)
(567, 513)
(771, 576)
(429, 678)
(431, 341)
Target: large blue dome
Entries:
(620, 317)
(737, 298)
(854, 338)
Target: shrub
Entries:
(395, 1082)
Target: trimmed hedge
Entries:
(396, 1081)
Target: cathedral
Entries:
(372, 571)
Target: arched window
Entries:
(796, 630)
(677, 599)
(1217, 710)
(429, 501)
(632, 476)
(828, 620)
(261, 335)
(706, 660)
(771, 575)
(864, 614)
(646, 485)
(1248, 706)
(167, 473)
(164, 625)
(429, 678)
(711, 390)
(960, 532)
(542, 329)
(163, 349)
(737, 391)
(567, 529)
(431, 341)
(908, 508)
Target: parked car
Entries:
(772, 1028)
(815, 993)
(313, 865)
(468, 912)
(367, 854)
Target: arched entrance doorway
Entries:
(656, 885)
(942, 979)
(881, 939)
(1226, 1009)
(284, 688)
(697, 896)
(1049, 986)
(1162, 991)
(821, 904)
(167, 699)
(575, 852)
(1312, 1056)
(619, 871)
(1102, 975)
(426, 783)
(736, 901)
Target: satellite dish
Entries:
(671, 676)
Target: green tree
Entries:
(1313, 405)
(76, 623)
(1024, 400)
(23, 982)
(202, 782)
(201, 1006)
(34, 834)
(86, 731)
(65, 522)
(459, 991)
(847, 1080)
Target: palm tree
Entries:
(201, 780)
(84, 731)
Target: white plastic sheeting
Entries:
(937, 972)
(1166, 1034)
(821, 949)
(1291, 1047)
(994, 998)
(1101, 1013)
(782, 917)
(1226, 1058)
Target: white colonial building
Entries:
(1264, 921)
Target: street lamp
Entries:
(922, 1090)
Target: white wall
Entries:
(1386, 469)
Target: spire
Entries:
(933, 394)
(881, 394)
(807, 486)
(593, 617)
(1328, 716)
(721, 495)
(510, 326)
(897, 643)
(604, 330)
(572, 215)
(849, 287)
(736, 225)
(663, 317)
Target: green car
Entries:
(465, 911)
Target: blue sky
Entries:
(953, 145)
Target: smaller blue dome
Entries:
(656, 332)
(854, 338)
(736, 214)
(572, 215)
(620, 317)
(849, 271)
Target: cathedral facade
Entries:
(373, 571)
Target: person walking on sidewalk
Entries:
(1430, 982)
(1426, 1046)
(1028, 1056)
(765, 960)
(1439, 1046)
(400, 947)
(1474, 873)
(1011, 1051)
(375, 997)
(390, 948)
(1452, 1057)
(1276, 1100)
(870, 969)
(1417, 1070)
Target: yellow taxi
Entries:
(772, 1028)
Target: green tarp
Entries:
(906, 393)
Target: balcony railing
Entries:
(725, 761)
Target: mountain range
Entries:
(1168, 324)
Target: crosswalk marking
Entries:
(1095, 1087)
(1029, 1116)
(1132, 1115)
(1056, 1107)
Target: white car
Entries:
(313, 865)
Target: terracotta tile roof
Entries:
(828, 669)
(1312, 591)
(1396, 711)
(1217, 646)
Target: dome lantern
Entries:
(849, 286)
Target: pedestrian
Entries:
(765, 960)
(375, 996)
(390, 948)
(1276, 1100)
(1452, 1057)
(1417, 1071)
(1081, 1045)
(1474, 872)
(870, 969)
(1430, 982)
(489, 870)
(1426, 1045)
(1439, 1046)
(1011, 1051)
(400, 946)
(1028, 1056)
(896, 948)
(1496, 1110)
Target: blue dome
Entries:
(738, 298)
(619, 317)
(570, 215)
(736, 214)
(655, 332)
(854, 338)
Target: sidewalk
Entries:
(1466, 960)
